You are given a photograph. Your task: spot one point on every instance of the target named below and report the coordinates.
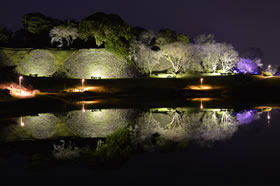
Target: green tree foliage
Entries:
(37, 23)
(166, 36)
(107, 29)
(183, 38)
(5, 35)
(118, 146)
(38, 27)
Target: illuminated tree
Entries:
(229, 58)
(209, 56)
(144, 58)
(217, 56)
(255, 54)
(62, 34)
(146, 37)
(247, 66)
(178, 54)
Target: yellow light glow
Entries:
(82, 89)
(21, 122)
(265, 108)
(204, 87)
(83, 108)
(202, 99)
(89, 102)
(83, 81)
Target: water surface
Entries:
(199, 143)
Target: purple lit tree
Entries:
(247, 66)
(247, 117)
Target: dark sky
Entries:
(242, 23)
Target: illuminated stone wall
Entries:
(99, 63)
(39, 62)
(82, 63)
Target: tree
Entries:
(247, 66)
(228, 58)
(202, 38)
(216, 56)
(178, 54)
(38, 27)
(37, 23)
(166, 36)
(209, 56)
(64, 35)
(107, 29)
(144, 58)
(5, 35)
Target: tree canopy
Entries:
(108, 30)
(37, 23)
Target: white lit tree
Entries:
(64, 35)
(228, 58)
(178, 54)
(217, 56)
(144, 58)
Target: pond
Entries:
(136, 144)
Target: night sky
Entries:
(242, 23)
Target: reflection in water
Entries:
(247, 117)
(98, 123)
(181, 125)
(169, 123)
(65, 151)
(268, 117)
(42, 126)
(21, 122)
(126, 130)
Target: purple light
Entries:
(247, 117)
(247, 66)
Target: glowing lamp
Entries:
(201, 105)
(83, 81)
(21, 122)
(20, 78)
(83, 108)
